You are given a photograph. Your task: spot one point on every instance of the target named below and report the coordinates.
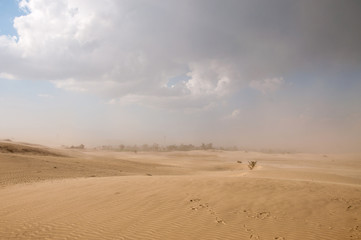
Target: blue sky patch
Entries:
(9, 9)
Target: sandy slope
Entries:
(188, 195)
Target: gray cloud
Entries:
(121, 48)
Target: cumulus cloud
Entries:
(210, 78)
(132, 48)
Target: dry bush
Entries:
(252, 164)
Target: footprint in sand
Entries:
(247, 229)
(355, 232)
(254, 237)
(211, 211)
(199, 206)
(263, 215)
(205, 206)
(219, 220)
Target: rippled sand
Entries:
(178, 195)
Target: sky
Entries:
(261, 74)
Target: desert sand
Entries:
(86, 194)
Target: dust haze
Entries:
(252, 74)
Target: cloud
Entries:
(44, 95)
(70, 84)
(210, 78)
(267, 85)
(7, 76)
(236, 113)
(133, 48)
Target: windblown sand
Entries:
(64, 194)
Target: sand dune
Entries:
(26, 148)
(180, 195)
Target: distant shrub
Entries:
(81, 146)
(252, 164)
(239, 161)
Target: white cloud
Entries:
(44, 95)
(234, 115)
(117, 49)
(70, 85)
(131, 99)
(267, 85)
(7, 76)
(210, 78)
